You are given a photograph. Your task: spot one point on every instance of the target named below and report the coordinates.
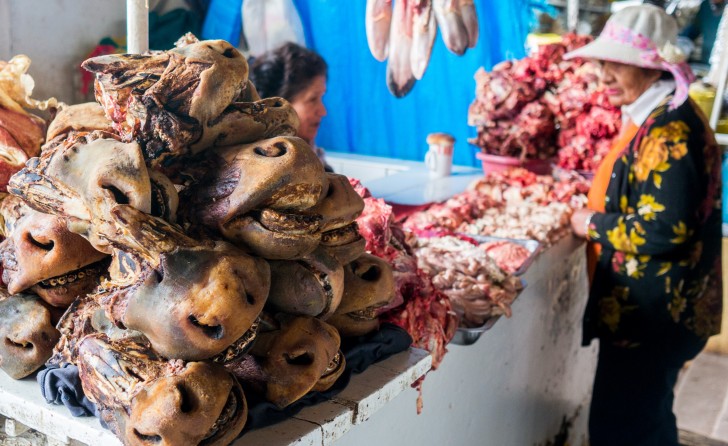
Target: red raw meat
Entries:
(422, 310)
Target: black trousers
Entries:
(633, 393)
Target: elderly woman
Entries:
(298, 75)
(654, 219)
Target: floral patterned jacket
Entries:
(659, 272)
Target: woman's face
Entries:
(624, 83)
(310, 108)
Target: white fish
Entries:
(424, 31)
(378, 21)
(470, 20)
(400, 79)
(452, 28)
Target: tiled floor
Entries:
(701, 401)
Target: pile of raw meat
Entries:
(533, 107)
(514, 204)
(478, 288)
(418, 306)
(509, 256)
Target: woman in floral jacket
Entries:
(654, 217)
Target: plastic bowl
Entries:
(498, 163)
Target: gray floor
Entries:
(701, 401)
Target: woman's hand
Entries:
(580, 221)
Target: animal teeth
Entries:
(333, 365)
(228, 412)
(367, 313)
(70, 277)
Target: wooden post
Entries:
(137, 26)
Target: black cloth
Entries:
(360, 353)
(63, 386)
(633, 393)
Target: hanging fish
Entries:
(470, 20)
(424, 30)
(400, 79)
(454, 33)
(377, 23)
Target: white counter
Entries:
(401, 181)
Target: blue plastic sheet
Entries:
(364, 118)
(223, 21)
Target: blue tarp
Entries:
(364, 118)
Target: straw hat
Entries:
(643, 36)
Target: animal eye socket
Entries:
(35, 242)
(119, 196)
(211, 331)
(147, 438)
(301, 359)
(371, 274)
(24, 345)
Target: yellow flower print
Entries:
(677, 305)
(652, 153)
(610, 313)
(674, 131)
(635, 240)
(681, 233)
(623, 204)
(635, 266)
(678, 151)
(647, 207)
(592, 233)
(665, 267)
(622, 241)
(618, 236)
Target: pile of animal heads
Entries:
(187, 246)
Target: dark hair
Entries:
(286, 71)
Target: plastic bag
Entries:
(267, 24)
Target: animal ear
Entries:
(144, 234)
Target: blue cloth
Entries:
(63, 386)
(364, 118)
(223, 21)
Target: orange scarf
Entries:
(598, 192)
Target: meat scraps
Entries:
(533, 107)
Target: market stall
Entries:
(503, 386)
(211, 283)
